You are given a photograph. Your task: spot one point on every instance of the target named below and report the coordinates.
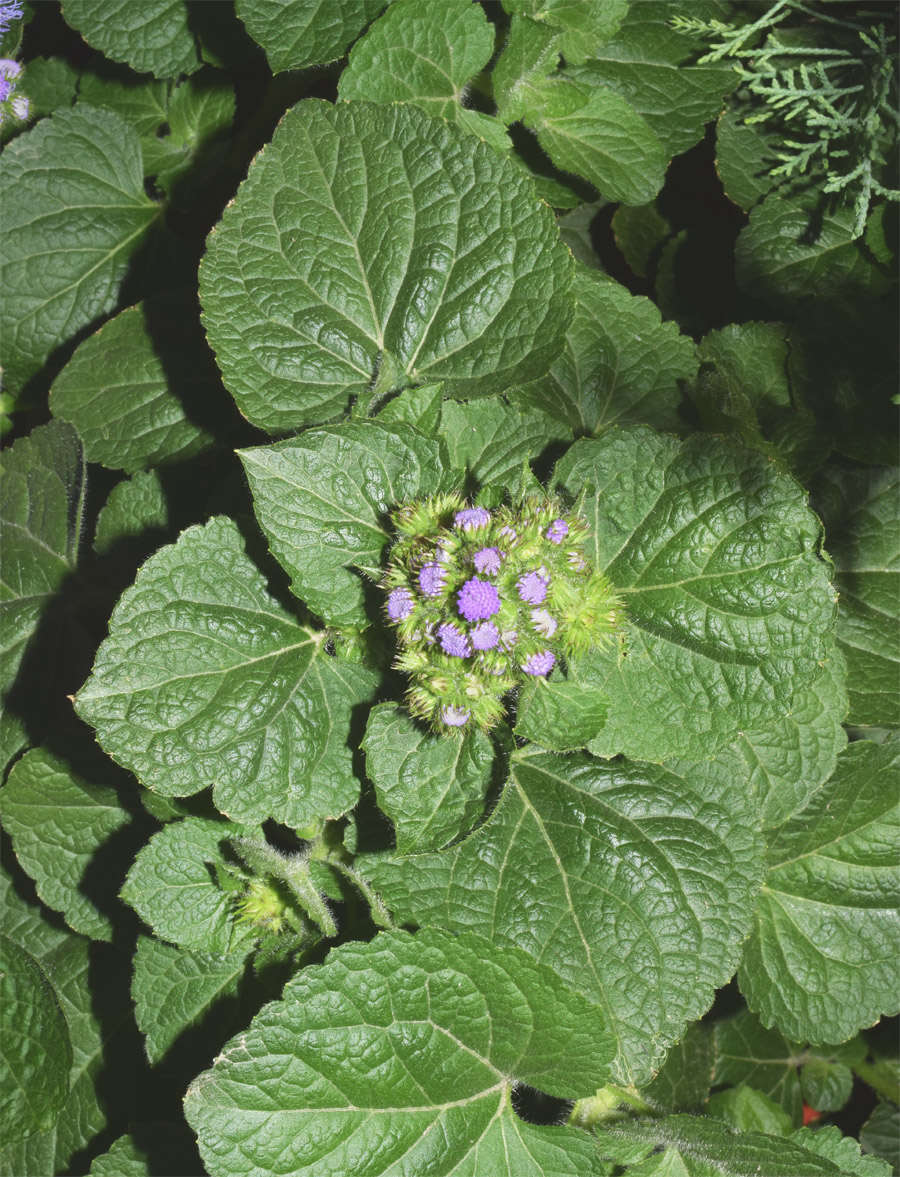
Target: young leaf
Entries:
(424, 280)
(136, 389)
(432, 789)
(147, 1150)
(859, 508)
(821, 960)
(561, 716)
(593, 132)
(640, 229)
(176, 988)
(398, 1056)
(633, 883)
(683, 1081)
(60, 824)
(844, 1151)
(296, 34)
(422, 53)
(749, 1054)
(747, 1110)
(133, 508)
(420, 407)
(90, 228)
(779, 257)
(152, 37)
(582, 28)
(491, 439)
(36, 1053)
(647, 64)
(790, 758)
(323, 500)
(142, 101)
(620, 364)
(50, 82)
(745, 155)
(881, 1133)
(206, 680)
(715, 554)
(172, 886)
(531, 53)
(43, 489)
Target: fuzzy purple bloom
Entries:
(487, 561)
(541, 663)
(10, 10)
(508, 639)
(431, 579)
(452, 641)
(478, 600)
(399, 604)
(557, 531)
(472, 517)
(543, 622)
(510, 533)
(533, 587)
(576, 561)
(455, 716)
(485, 636)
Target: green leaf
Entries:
(844, 1151)
(749, 1054)
(201, 110)
(745, 155)
(153, 37)
(91, 233)
(530, 54)
(43, 489)
(881, 1133)
(620, 364)
(583, 27)
(137, 389)
(133, 508)
(206, 680)
(714, 552)
(422, 53)
(789, 759)
(575, 230)
(683, 1081)
(561, 716)
(49, 82)
(432, 789)
(296, 34)
(707, 1148)
(781, 257)
(821, 960)
(172, 886)
(398, 1056)
(142, 101)
(174, 989)
(147, 1150)
(323, 499)
(646, 63)
(826, 1085)
(424, 280)
(859, 508)
(595, 133)
(640, 230)
(746, 1110)
(420, 407)
(63, 827)
(634, 883)
(36, 1054)
(490, 439)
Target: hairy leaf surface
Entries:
(153, 37)
(299, 33)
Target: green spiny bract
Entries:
(484, 600)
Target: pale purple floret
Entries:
(510, 533)
(533, 587)
(455, 716)
(543, 622)
(399, 604)
(10, 10)
(431, 579)
(487, 561)
(541, 663)
(557, 531)
(452, 641)
(10, 72)
(477, 600)
(471, 518)
(485, 636)
(508, 638)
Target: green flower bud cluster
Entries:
(483, 600)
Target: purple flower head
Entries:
(485, 636)
(455, 716)
(543, 622)
(471, 518)
(541, 663)
(557, 531)
(399, 604)
(487, 561)
(431, 579)
(508, 639)
(533, 587)
(478, 600)
(510, 533)
(10, 10)
(452, 641)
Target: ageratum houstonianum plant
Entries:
(449, 591)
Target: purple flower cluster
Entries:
(431, 579)
(533, 587)
(400, 604)
(541, 663)
(557, 531)
(472, 518)
(487, 561)
(477, 600)
(485, 636)
(453, 641)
